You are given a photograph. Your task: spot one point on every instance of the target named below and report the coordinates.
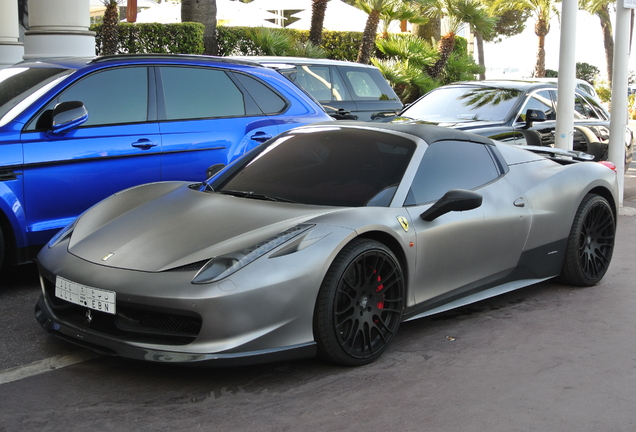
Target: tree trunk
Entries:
(204, 12)
(444, 48)
(367, 47)
(318, 9)
(429, 31)
(541, 29)
(110, 34)
(479, 40)
(608, 44)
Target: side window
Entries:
(316, 80)
(598, 110)
(542, 101)
(196, 93)
(363, 85)
(113, 96)
(583, 110)
(267, 100)
(450, 165)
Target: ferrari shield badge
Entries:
(405, 223)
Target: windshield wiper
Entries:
(251, 194)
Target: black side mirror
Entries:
(453, 200)
(214, 169)
(67, 115)
(534, 115)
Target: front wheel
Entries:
(360, 304)
(590, 243)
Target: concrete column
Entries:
(11, 49)
(59, 29)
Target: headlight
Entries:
(63, 234)
(224, 265)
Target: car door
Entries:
(209, 117)
(325, 84)
(538, 133)
(460, 252)
(117, 147)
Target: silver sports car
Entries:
(322, 241)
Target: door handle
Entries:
(144, 144)
(260, 137)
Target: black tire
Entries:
(360, 304)
(590, 244)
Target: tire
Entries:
(590, 243)
(360, 304)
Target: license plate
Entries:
(92, 298)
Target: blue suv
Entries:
(74, 131)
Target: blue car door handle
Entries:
(260, 137)
(144, 144)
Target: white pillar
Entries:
(567, 76)
(11, 49)
(59, 29)
(618, 121)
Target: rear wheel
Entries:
(590, 244)
(360, 304)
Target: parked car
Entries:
(346, 90)
(582, 85)
(73, 131)
(516, 112)
(323, 240)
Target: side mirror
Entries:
(214, 169)
(534, 115)
(67, 115)
(453, 200)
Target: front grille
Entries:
(132, 321)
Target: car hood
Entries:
(462, 125)
(160, 227)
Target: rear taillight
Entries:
(609, 164)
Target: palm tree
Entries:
(470, 12)
(110, 34)
(318, 9)
(600, 8)
(543, 11)
(401, 11)
(374, 9)
(481, 23)
(204, 12)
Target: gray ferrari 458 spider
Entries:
(322, 241)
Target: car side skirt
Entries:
(536, 265)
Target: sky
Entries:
(519, 52)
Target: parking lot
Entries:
(545, 358)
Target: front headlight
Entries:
(63, 234)
(224, 265)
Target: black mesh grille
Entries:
(132, 322)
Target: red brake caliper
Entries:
(378, 289)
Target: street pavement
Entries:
(546, 358)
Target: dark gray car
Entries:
(346, 90)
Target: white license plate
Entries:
(93, 298)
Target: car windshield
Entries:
(326, 166)
(469, 103)
(18, 83)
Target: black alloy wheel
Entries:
(590, 244)
(360, 304)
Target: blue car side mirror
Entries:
(67, 115)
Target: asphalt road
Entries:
(544, 358)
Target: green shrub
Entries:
(141, 38)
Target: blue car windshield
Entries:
(460, 104)
(325, 166)
(17, 83)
